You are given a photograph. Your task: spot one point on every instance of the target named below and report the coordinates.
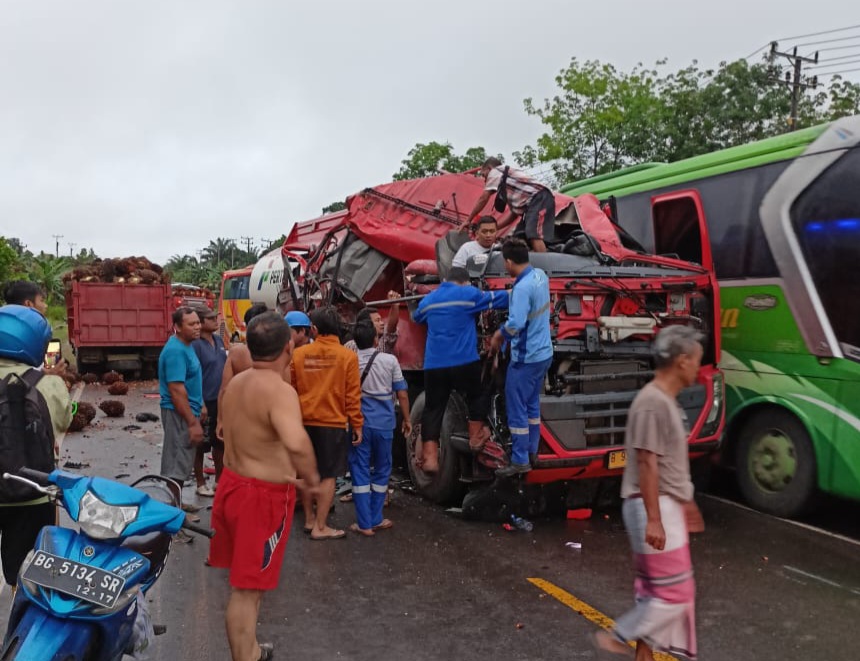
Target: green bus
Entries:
(783, 215)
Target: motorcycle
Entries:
(80, 594)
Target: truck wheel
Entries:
(776, 464)
(444, 487)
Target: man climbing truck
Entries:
(608, 301)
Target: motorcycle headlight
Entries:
(714, 415)
(102, 521)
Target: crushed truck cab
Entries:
(609, 299)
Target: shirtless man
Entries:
(267, 455)
(238, 360)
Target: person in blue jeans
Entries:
(527, 329)
(381, 380)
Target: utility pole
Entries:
(71, 249)
(794, 81)
(57, 238)
(247, 240)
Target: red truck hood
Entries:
(405, 219)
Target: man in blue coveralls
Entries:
(451, 359)
(527, 329)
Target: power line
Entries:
(822, 50)
(828, 41)
(838, 64)
(836, 73)
(816, 34)
(823, 63)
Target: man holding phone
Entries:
(31, 295)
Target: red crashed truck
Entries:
(609, 300)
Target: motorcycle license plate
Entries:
(85, 582)
(616, 459)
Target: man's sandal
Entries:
(267, 651)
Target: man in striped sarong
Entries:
(659, 509)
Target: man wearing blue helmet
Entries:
(24, 336)
(300, 323)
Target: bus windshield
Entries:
(826, 220)
(237, 287)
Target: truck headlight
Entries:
(712, 422)
(102, 521)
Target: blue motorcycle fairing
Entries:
(42, 637)
(71, 545)
(152, 515)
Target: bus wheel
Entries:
(445, 486)
(776, 464)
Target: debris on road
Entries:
(112, 408)
(76, 464)
(109, 378)
(146, 417)
(580, 514)
(118, 388)
(573, 545)
(131, 428)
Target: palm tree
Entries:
(47, 271)
(220, 251)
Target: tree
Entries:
(603, 119)
(47, 271)
(9, 262)
(427, 160)
(334, 207)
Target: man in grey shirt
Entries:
(659, 509)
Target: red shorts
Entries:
(252, 520)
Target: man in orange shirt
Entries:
(325, 375)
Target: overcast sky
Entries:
(148, 127)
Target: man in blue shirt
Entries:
(451, 359)
(212, 355)
(381, 380)
(180, 384)
(528, 331)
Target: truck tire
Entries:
(445, 487)
(775, 462)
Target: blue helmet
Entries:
(24, 334)
(297, 319)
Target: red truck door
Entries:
(680, 227)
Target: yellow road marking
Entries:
(588, 612)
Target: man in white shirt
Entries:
(485, 236)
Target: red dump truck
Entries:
(118, 326)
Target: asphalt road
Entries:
(437, 587)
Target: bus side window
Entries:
(677, 228)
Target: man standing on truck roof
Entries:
(212, 355)
(527, 199)
(451, 360)
(527, 329)
(180, 384)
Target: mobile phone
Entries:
(54, 353)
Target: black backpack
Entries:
(502, 193)
(26, 433)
